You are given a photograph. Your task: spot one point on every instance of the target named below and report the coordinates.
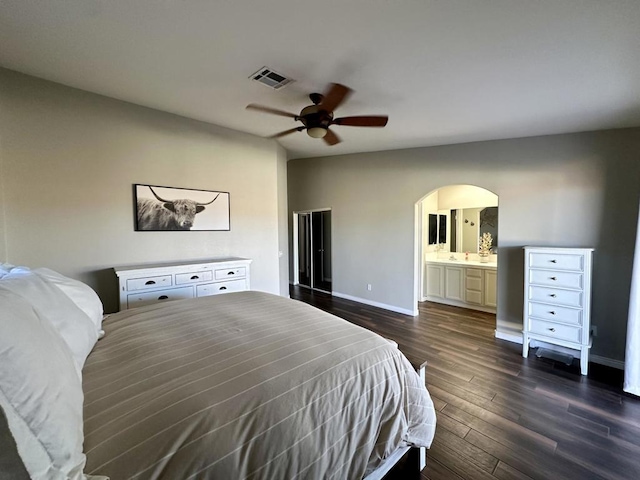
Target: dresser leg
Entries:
(584, 360)
(525, 345)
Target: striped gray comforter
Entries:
(246, 385)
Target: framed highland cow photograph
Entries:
(160, 209)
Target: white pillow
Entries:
(73, 325)
(80, 293)
(40, 392)
(6, 268)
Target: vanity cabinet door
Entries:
(454, 283)
(435, 281)
(490, 288)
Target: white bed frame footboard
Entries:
(395, 457)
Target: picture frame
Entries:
(173, 209)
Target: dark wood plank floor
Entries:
(501, 416)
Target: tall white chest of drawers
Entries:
(557, 299)
(145, 284)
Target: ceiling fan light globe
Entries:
(316, 132)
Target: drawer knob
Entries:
(552, 312)
(552, 329)
(150, 282)
(195, 277)
(162, 297)
(553, 261)
(553, 278)
(552, 295)
(222, 288)
(231, 273)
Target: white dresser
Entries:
(557, 299)
(145, 284)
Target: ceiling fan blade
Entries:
(334, 97)
(275, 111)
(287, 132)
(363, 121)
(331, 138)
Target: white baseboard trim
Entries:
(456, 303)
(509, 337)
(392, 308)
(509, 331)
(517, 338)
(633, 390)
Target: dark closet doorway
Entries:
(314, 249)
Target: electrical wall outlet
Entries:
(369, 286)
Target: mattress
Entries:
(246, 385)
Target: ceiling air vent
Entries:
(272, 79)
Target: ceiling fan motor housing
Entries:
(314, 117)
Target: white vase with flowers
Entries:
(484, 248)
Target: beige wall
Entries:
(465, 196)
(69, 159)
(471, 233)
(564, 190)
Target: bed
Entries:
(241, 385)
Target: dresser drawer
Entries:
(230, 273)
(182, 278)
(555, 330)
(556, 279)
(570, 298)
(555, 313)
(221, 287)
(145, 283)
(473, 283)
(140, 299)
(559, 261)
(473, 296)
(474, 272)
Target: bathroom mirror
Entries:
(468, 224)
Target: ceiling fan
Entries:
(317, 118)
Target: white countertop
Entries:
(463, 263)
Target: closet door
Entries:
(304, 249)
(321, 243)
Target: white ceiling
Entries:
(444, 71)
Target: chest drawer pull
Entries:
(552, 312)
(231, 273)
(552, 295)
(162, 297)
(195, 277)
(553, 278)
(552, 329)
(222, 288)
(553, 261)
(150, 282)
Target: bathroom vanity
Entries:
(461, 283)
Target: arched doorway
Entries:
(451, 268)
